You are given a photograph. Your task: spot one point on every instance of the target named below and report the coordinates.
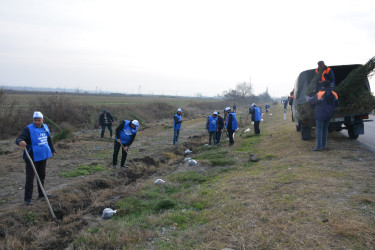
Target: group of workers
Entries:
(36, 139)
(215, 123)
(38, 143)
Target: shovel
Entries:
(41, 187)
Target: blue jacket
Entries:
(256, 114)
(211, 124)
(39, 142)
(26, 136)
(323, 108)
(126, 133)
(177, 121)
(231, 123)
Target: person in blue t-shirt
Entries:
(211, 126)
(256, 117)
(231, 125)
(37, 140)
(177, 120)
(267, 107)
(125, 135)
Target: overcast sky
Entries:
(179, 47)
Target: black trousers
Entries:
(116, 150)
(212, 136)
(230, 135)
(218, 136)
(41, 170)
(256, 127)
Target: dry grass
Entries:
(292, 198)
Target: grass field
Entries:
(23, 98)
(291, 198)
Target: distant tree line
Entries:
(243, 93)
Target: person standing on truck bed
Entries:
(325, 102)
(327, 75)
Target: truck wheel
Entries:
(351, 133)
(306, 132)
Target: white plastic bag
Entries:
(108, 213)
(159, 181)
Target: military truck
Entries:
(303, 113)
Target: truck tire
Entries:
(306, 132)
(351, 133)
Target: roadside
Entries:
(368, 138)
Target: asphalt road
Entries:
(368, 139)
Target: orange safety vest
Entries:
(321, 93)
(325, 72)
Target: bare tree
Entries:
(232, 95)
(244, 89)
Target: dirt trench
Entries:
(78, 202)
